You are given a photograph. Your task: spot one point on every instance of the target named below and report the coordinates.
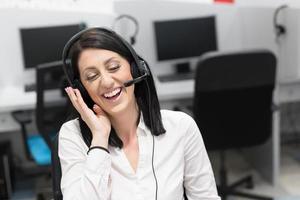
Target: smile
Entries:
(112, 94)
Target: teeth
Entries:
(112, 93)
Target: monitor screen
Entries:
(183, 38)
(45, 44)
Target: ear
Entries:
(135, 72)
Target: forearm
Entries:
(88, 180)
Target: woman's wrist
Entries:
(99, 140)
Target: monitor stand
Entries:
(183, 68)
(182, 72)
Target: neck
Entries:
(125, 124)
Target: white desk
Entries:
(15, 98)
(266, 158)
(284, 92)
(175, 90)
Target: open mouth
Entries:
(113, 94)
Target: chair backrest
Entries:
(52, 104)
(233, 98)
(56, 171)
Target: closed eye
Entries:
(114, 68)
(91, 77)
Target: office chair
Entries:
(50, 112)
(233, 106)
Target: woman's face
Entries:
(102, 73)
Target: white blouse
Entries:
(180, 161)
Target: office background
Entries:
(245, 24)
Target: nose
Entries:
(106, 81)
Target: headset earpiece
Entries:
(143, 67)
(132, 40)
(78, 85)
(139, 70)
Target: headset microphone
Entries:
(144, 68)
(136, 80)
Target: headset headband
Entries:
(135, 22)
(139, 62)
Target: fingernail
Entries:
(66, 89)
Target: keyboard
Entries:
(51, 85)
(176, 77)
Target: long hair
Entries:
(145, 91)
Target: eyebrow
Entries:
(109, 60)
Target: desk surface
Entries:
(14, 98)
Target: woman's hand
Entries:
(97, 121)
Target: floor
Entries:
(289, 180)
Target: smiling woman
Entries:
(121, 145)
(102, 73)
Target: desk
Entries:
(15, 98)
(266, 158)
(285, 92)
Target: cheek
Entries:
(91, 89)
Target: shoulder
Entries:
(177, 121)
(175, 117)
(70, 138)
(70, 129)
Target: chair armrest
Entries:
(22, 116)
(275, 107)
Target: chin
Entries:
(117, 109)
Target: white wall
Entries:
(12, 19)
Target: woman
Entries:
(122, 146)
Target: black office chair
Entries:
(55, 114)
(233, 105)
(50, 113)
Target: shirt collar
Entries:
(142, 126)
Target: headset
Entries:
(135, 22)
(279, 28)
(139, 67)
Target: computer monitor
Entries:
(45, 44)
(185, 38)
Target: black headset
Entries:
(280, 29)
(139, 67)
(135, 22)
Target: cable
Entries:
(135, 22)
(153, 143)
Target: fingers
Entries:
(77, 100)
(72, 97)
(98, 110)
(80, 101)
